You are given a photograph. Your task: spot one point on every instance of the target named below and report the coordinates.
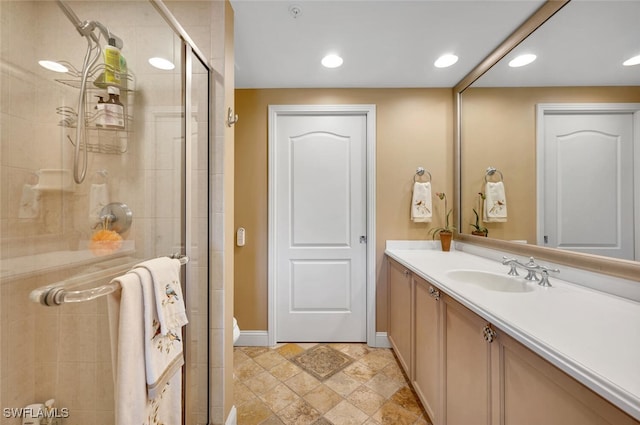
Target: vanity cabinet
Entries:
(400, 287)
(427, 353)
(466, 371)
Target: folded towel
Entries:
(29, 202)
(132, 346)
(165, 273)
(98, 199)
(126, 324)
(163, 353)
(421, 203)
(495, 203)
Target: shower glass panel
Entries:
(155, 167)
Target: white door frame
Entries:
(544, 108)
(370, 112)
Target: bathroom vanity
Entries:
(482, 347)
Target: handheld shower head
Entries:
(86, 28)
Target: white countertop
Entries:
(591, 335)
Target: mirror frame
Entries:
(625, 269)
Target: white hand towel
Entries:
(163, 353)
(421, 209)
(98, 199)
(495, 203)
(126, 312)
(165, 273)
(133, 350)
(29, 202)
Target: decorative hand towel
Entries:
(165, 273)
(495, 203)
(126, 312)
(29, 202)
(421, 203)
(132, 347)
(163, 353)
(98, 199)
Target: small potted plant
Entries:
(479, 229)
(446, 232)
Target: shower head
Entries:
(86, 28)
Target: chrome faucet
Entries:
(531, 267)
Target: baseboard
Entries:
(232, 419)
(382, 341)
(253, 339)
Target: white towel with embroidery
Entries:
(165, 273)
(421, 208)
(98, 199)
(495, 203)
(131, 323)
(29, 202)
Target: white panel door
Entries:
(320, 217)
(588, 188)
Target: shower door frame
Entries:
(189, 49)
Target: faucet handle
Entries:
(513, 262)
(544, 275)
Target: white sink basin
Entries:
(490, 281)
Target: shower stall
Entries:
(84, 199)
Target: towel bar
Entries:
(57, 294)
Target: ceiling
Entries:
(384, 43)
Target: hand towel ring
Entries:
(490, 172)
(420, 172)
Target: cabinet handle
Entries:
(434, 293)
(489, 334)
(406, 273)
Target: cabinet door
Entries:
(427, 376)
(536, 392)
(467, 367)
(399, 331)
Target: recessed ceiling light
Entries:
(332, 61)
(522, 60)
(632, 61)
(445, 60)
(161, 63)
(53, 66)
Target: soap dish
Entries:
(54, 180)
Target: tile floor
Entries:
(309, 384)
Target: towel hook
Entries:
(419, 173)
(231, 117)
(490, 172)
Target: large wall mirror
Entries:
(514, 120)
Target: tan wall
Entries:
(414, 128)
(498, 129)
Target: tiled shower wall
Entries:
(64, 353)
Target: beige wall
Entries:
(414, 128)
(498, 129)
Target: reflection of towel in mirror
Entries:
(29, 202)
(421, 203)
(495, 203)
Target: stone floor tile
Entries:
(253, 412)
(247, 370)
(269, 359)
(360, 371)
(366, 400)
(392, 414)
(342, 383)
(261, 383)
(285, 371)
(299, 413)
(346, 413)
(408, 399)
(302, 383)
(323, 398)
(289, 350)
(383, 385)
(279, 397)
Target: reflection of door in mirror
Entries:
(585, 178)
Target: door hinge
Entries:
(363, 239)
(546, 239)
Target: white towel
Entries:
(98, 199)
(163, 353)
(165, 273)
(132, 346)
(421, 209)
(29, 202)
(126, 324)
(495, 203)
